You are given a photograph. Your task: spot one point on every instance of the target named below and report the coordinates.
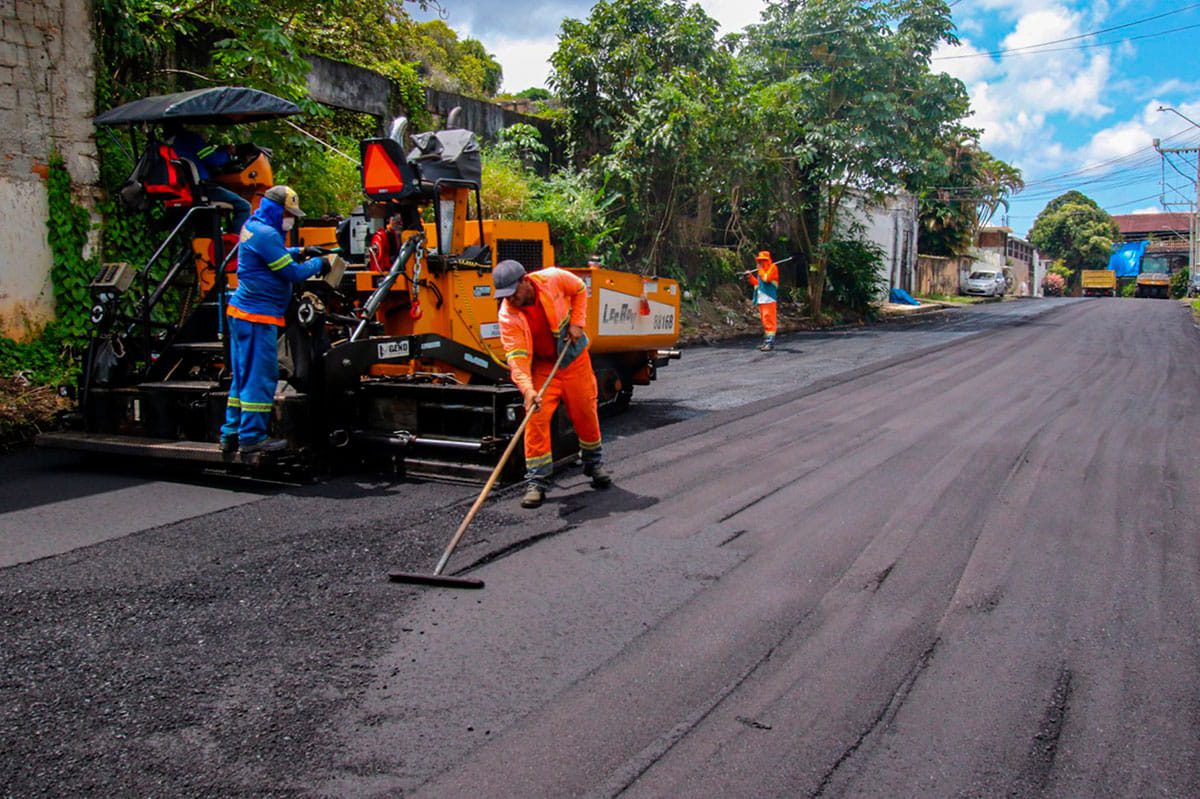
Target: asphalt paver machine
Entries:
(400, 368)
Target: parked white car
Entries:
(985, 283)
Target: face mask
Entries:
(289, 222)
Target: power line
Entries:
(1110, 43)
(1078, 36)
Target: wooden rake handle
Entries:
(487, 487)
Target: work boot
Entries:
(767, 346)
(265, 445)
(229, 445)
(535, 495)
(600, 478)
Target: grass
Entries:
(955, 298)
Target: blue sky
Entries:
(1077, 113)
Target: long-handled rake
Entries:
(436, 577)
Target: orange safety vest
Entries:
(564, 298)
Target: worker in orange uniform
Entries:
(765, 280)
(542, 312)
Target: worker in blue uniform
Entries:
(208, 158)
(266, 272)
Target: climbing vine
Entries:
(67, 232)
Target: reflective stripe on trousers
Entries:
(254, 367)
(575, 387)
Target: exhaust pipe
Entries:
(670, 355)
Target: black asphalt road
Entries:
(960, 559)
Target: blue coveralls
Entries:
(266, 271)
(191, 145)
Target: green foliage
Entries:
(646, 92)
(582, 217)
(1129, 288)
(327, 183)
(845, 103)
(975, 186)
(1060, 269)
(506, 185)
(854, 280)
(537, 94)
(1179, 284)
(67, 232)
(44, 360)
(522, 141)
(1074, 229)
(452, 64)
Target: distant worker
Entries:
(541, 312)
(385, 245)
(765, 280)
(266, 272)
(207, 159)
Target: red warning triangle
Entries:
(380, 174)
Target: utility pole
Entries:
(1194, 215)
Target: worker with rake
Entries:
(542, 318)
(765, 280)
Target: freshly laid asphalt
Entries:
(951, 557)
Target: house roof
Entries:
(1145, 224)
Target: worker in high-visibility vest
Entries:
(765, 280)
(541, 313)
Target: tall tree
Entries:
(976, 185)
(1073, 228)
(847, 104)
(644, 84)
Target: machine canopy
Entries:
(220, 105)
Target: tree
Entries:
(845, 103)
(621, 57)
(975, 187)
(1076, 230)
(645, 87)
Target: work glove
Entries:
(313, 252)
(326, 266)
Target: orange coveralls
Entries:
(766, 294)
(563, 297)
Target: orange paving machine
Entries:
(400, 365)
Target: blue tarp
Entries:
(901, 297)
(1126, 259)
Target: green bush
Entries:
(583, 218)
(852, 280)
(44, 360)
(507, 186)
(1129, 289)
(1179, 284)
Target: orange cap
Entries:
(763, 256)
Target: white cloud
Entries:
(734, 15)
(977, 67)
(1135, 134)
(526, 62)
(1153, 209)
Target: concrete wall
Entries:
(47, 75)
(892, 225)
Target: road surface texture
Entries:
(952, 558)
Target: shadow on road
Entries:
(593, 505)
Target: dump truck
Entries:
(1154, 277)
(1098, 282)
(401, 369)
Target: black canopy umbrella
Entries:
(220, 105)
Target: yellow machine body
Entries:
(628, 314)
